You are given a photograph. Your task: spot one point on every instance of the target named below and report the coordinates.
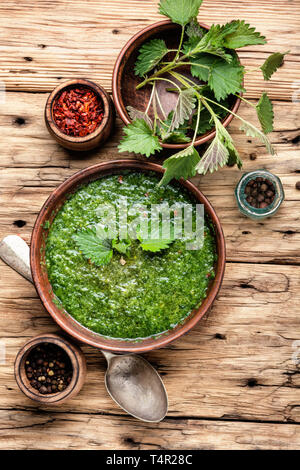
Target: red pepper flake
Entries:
(78, 111)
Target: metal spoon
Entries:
(130, 380)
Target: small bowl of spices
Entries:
(259, 194)
(50, 369)
(79, 114)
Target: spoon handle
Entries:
(108, 355)
(14, 251)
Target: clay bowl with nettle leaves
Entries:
(133, 290)
(125, 81)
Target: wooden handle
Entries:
(14, 251)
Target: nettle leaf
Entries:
(180, 165)
(206, 122)
(226, 79)
(155, 242)
(211, 43)
(184, 107)
(233, 155)
(180, 11)
(94, 246)
(273, 62)
(194, 33)
(176, 137)
(252, 131)
(122, 246)
(234, 158)
(194, 30)
(239, 34)
(215, 156)
(265, 113)
(202, 64)
(220, 152)
(150, 54)
(155, 245)
(139, 138)
(137, 114)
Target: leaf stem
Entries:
(150, 99)
(223, 107)
(154, 109)
(244, 99)
(155, 75)
(197, 65)
(240, 118)
(170, 66)
(167, 80)
(160, 105)
(197, 122)
(180, 44)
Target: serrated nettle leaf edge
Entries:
(180, 165)
(150, 54)
(252, 131)
(184, 107)
(272, 64)
(265, 113)
(180, 11)
(139, 138)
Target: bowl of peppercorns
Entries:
(79, 114)
(50, 369)
(259, 194)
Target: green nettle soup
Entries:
(138, 293)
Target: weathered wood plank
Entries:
(236, 364)
(41, 46)
(56, 431)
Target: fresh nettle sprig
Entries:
(97, 247)
(200, 106)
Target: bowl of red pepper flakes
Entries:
(79, 114)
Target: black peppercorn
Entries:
(54, 368)
(260, 192)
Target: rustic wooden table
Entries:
(232, 381)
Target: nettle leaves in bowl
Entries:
(98, 247)
(203, 102)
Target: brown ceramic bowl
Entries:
(125, 81)
(39, 272)
(78, 364)
(90, 141)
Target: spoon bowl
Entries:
(136, 387)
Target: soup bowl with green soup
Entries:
(124, 263)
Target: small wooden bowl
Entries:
(90, 141)
(125, 81)
(77, 360)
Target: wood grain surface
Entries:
(232, 381)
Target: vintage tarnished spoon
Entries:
(130, 380)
